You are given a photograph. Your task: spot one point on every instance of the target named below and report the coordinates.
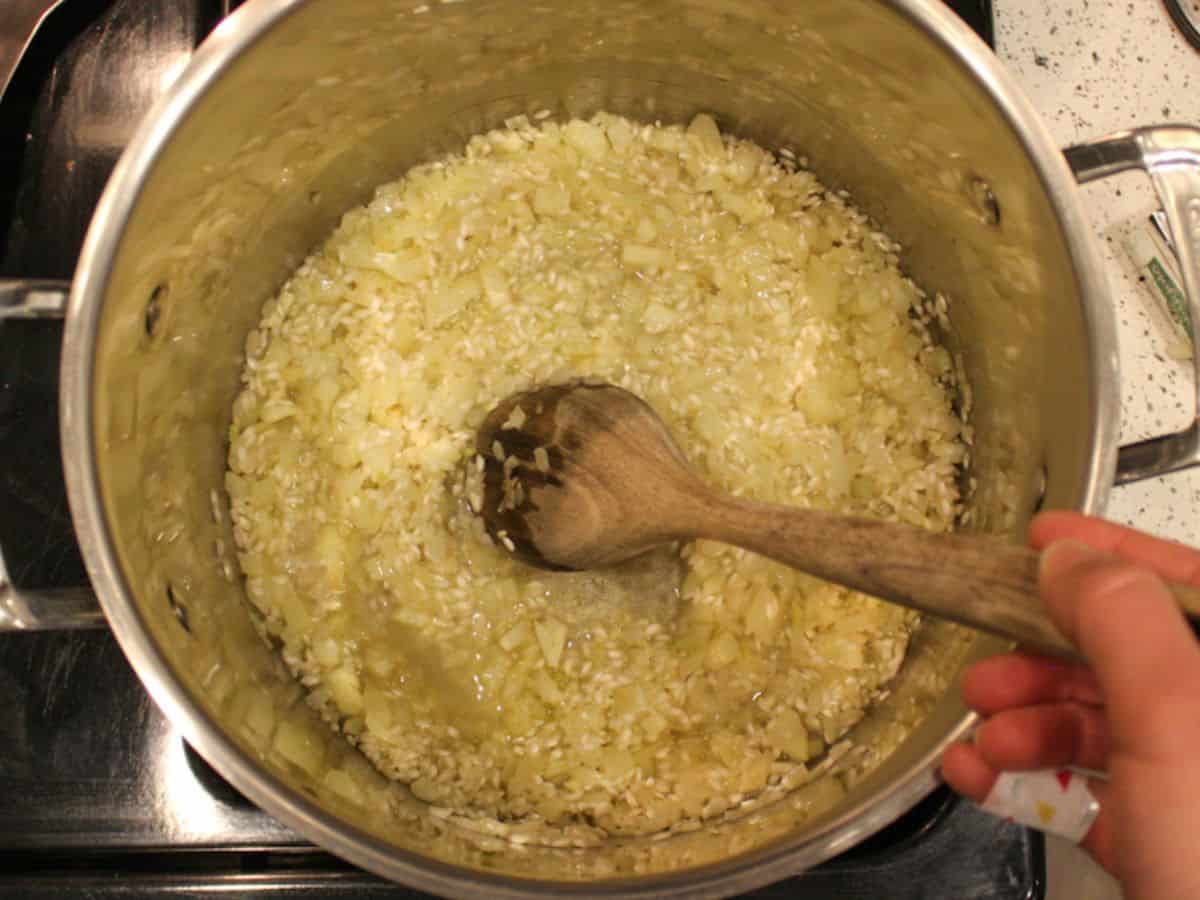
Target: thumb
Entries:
(1129, 628)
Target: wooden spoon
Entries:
(586, 475)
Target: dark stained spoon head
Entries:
(556, 464)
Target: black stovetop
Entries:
(99, 796)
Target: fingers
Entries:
(1046, 736)
(1169, 559)
(1042, 713)
(1019, 679)
(1146, 659)
(1099, 842)
(965, 770)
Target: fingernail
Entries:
(1062, 556)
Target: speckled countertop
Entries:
(1091, 67)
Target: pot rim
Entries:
(226, 43)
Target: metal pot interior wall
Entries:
(336, 98)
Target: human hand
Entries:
(1133, 712)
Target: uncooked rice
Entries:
(756, 311)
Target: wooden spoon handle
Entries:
(985, 582)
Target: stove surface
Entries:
(101, 796)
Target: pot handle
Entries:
(1170, 155)
(56, 608)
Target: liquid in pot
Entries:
(768, 323)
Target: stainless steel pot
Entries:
(289, 115)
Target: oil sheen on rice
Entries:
(758, 312)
